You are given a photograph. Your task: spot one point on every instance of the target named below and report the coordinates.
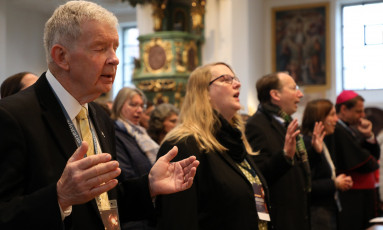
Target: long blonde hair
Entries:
(197, 117)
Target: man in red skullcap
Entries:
(356, 155)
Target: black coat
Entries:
(221, 197)
(323, 186)
(354, 153)
(133, 161)
(35, 145)
(289, 199)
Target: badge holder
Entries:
(110, 217)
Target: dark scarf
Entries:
(301, 152)
(230, 137)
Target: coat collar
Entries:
(54, 117)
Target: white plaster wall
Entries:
(144, 19)
(24, 41)
(233, 34)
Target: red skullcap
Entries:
(345, 96)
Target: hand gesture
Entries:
(290, 139)
(365, 127)
(85, 178)
(167, 177)
(343, 182)
(318, 135)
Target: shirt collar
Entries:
(69, 103)
(279, 119)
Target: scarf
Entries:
(146, 144)
(230, 138)
(301, 151)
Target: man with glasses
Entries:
(289, 183)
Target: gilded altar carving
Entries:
(157, 85)
(157, 56)
(197, 14)
(190, 55)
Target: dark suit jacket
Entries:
(220, 198)
(133, 161)
(354, 153)
(323, 186)
(289, 200)
(35, 144)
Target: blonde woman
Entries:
(229, 192)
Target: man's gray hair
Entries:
(64, 25)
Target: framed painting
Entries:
(300, 43)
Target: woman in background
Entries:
(325, 183)
(136, 151)
(162, 119)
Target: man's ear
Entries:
(60, 56)
(343, 109)
(275, 95)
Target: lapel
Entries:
(278, 126)
(233, 165)
(54, 117)
(281, 130)
(56, 122)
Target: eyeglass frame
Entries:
(223, 75)
(136, 106)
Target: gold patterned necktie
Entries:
(82, 119)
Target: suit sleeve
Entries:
(271, 161)
(18, 208)
(179, 210)
(320, 187)
(354, 155)
(124, 159)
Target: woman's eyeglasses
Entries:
(226, 78)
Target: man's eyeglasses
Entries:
(226, 78)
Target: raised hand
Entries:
(365, 127)
(85, 178)
(318, 135)
(290, 138)
(167, 177)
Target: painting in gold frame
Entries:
(300, 43)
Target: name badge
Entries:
(259, 196)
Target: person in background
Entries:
(57, 146)
(163, 119)
(16, 83)
(325, 204)
(375, 115)
(229, 192)
(290, 184)
(144, 121)
(356, 154)
(136, 151)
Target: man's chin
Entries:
(106, 88)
